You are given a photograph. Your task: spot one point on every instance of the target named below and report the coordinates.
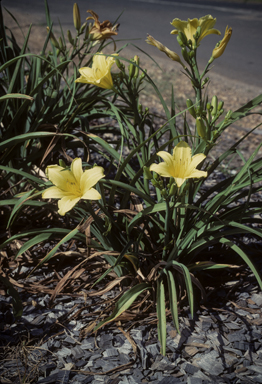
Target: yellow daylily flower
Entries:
(221, 46)
(189, 27)
(99, 74)
(101, 31)
(172, 55)
(72, 185)
(181, 165)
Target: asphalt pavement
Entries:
(242, 59)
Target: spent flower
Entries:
(189, 27)
(72, 185)
(99, 74)
(181, 165)
(101, 31)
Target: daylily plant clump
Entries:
(138, 192)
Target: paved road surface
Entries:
(242, 59)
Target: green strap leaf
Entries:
(124, 303)
(161, 314)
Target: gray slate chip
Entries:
(170, 380)
(194, 380)
(211, 363)
(77, 352)
(191, 369)
(257, 298)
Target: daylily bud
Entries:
(182, 37)
(204, 82)
(214, 104)
(180, 42)
(62, 163)
(70, 38)
(172, 55)
(76, 17)
(87, 32)
(164, 193)
(191, 109)
(52, 38)
(201, 128)
(61, 44)
(185, 54)
(192, 54)
(142, 76)
(120, 65)
(131, 69)
(221, 46)
(228, 115)
(173, 190)
(83, 27)
(148, 174)
(220, 105)
(198, 33)
(136, 59)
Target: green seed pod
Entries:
(214, 104)
(201, 128)
(191, 109)
(140, 109)
(208, 106)
(220, 105)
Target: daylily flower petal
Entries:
(92, 194)
(163, 169)
(197, 159)
(66, 204)
(87, 75)
(76, 168)
(59, 176)
(53, 193)
(90, 178)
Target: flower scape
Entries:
(81, 161)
